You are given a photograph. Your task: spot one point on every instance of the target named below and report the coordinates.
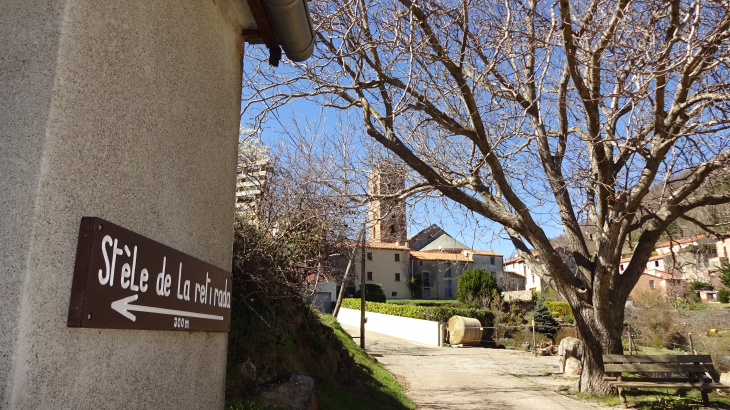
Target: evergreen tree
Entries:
(723, 295)
(544, 321)
(725, 274)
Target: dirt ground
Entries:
(472, 378)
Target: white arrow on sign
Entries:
(123, 306)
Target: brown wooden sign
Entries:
(124, 280)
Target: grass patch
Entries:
(381, 390)
(655, 399)
(717, 306)
(650, 399)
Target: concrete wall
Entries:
(416, 330)
(127, 111)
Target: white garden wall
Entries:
(416, 330)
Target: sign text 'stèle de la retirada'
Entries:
(123, 280)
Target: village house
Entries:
(440, 259)
(517, 267)
(722, 248)
(321, 291)
(439, 272)
(391, 264)
(679, 261)
(657, 280)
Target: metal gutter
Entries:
(285, 23)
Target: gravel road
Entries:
(471, 378)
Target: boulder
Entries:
(571, 347)
(573, 367)
(293, 394)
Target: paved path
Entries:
(471, 378)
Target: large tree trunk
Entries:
(601, 335)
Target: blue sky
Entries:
(472, 230)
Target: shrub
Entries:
(569, 319)
(723, 295)
(544, 321)
(475, 284)
(373, 293)
(563, 333)
(651, 317)
(433, 313)
(558, 309)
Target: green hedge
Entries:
(433, 313)
(559, 309)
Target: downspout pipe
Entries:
(292, 26)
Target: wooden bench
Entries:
(699, 369)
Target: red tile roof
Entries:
(683, 240)
(441, 256)
(311, 279)
(653, 258)
(485, 253)
(516, 273)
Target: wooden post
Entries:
(621, 393)
(691, 344)
(347, 272)
(534, 341)
(362, 294)
(631, 343)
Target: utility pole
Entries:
(362, 292)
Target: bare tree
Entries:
(534, 112)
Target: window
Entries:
(397, 257)
(370, 256)
(533, 278)
(426, 280)
(447, 289)
(656, 264)
(393, 294)
(420, 263)
(392, 229)
(725, 250)
(651, 284)
(397, 277)
(370, 276)
(491, 260)
(621, 268)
